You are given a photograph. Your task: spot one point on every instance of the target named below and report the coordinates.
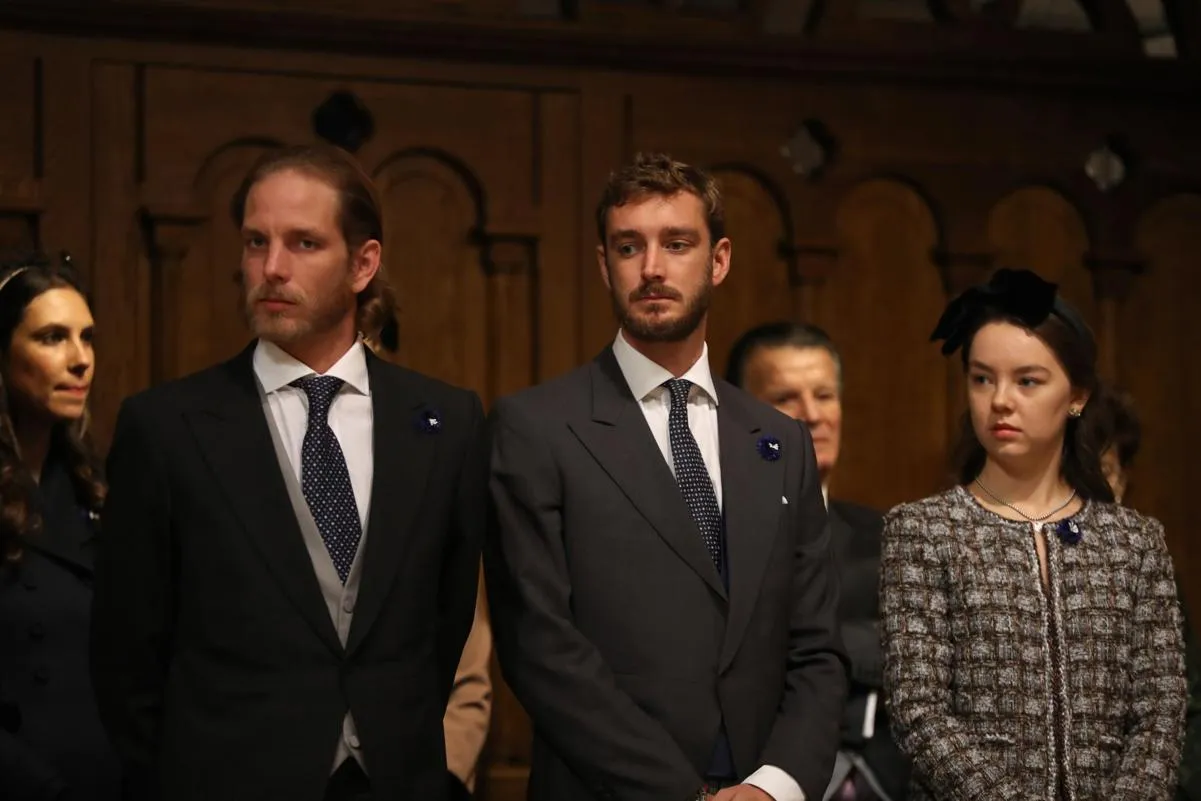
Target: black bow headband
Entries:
(1019, 294)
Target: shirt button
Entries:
(348, 604)
(353, 741)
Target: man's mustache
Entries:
(266, 292)
(655, 290)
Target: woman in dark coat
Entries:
(52, 745)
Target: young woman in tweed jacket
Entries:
(1031, 628)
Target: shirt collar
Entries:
(277, 369)
(645, 376)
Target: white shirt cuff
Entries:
(776, 783)
(869, 717)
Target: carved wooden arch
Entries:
(888, 188)
(786, 244)
(465, 292)
(1039, 227)
(438, 161)
(879, 305)
(762, 283)
(192, 250)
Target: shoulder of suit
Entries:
(181, 390)
(554, 396)
(429, 389)
(857, 515)
(769, 417)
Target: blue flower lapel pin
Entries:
(429, 421)
(1068, 531)
(768, 447)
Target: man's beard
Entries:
(675, 329)
(295, 323)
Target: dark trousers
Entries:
(348, 783)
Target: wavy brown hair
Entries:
(651, 174)
(23, 277)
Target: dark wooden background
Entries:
(950, 142)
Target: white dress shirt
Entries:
(350, 415)
(645, 379)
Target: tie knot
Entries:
(678, 387)
(320, 390)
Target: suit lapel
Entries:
(752, 501)
(402, 455)
(618, 438)
(231, 431)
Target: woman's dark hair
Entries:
(1086, 438)
(1121, 427)
(23, 277)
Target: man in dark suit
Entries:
(291, 539)
(658, 564)
(797, 369)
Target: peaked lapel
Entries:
(230, 427)
(752, 492)
(619, 439)
(402, 454)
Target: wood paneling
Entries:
(492, 142)
(1161, 325)
(895, 399)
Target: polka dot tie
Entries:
(324, 477)
(691, 473)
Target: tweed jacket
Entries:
(999, 688)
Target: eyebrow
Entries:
(689, 232)
(1025, 368)
(49, 327)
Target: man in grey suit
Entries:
(797, 369)
(658, 555)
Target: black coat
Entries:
(52, 745)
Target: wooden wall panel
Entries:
(490, 174)
(1038, 229)
(894, 399)
(1158, 361)
(20, 121)
(121, 290)
(758, 288)
(436, 269)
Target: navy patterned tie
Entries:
(691, 474)
(324, 477)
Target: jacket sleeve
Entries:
(616, 749)
(1151, 756)
(459, 583)
(24, 774)
(807, 730)
(133, 608)
(917, 668)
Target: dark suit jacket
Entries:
(855, 531)
(217, 667)
(51, 739)
(614, 628)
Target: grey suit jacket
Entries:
(612, 625)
